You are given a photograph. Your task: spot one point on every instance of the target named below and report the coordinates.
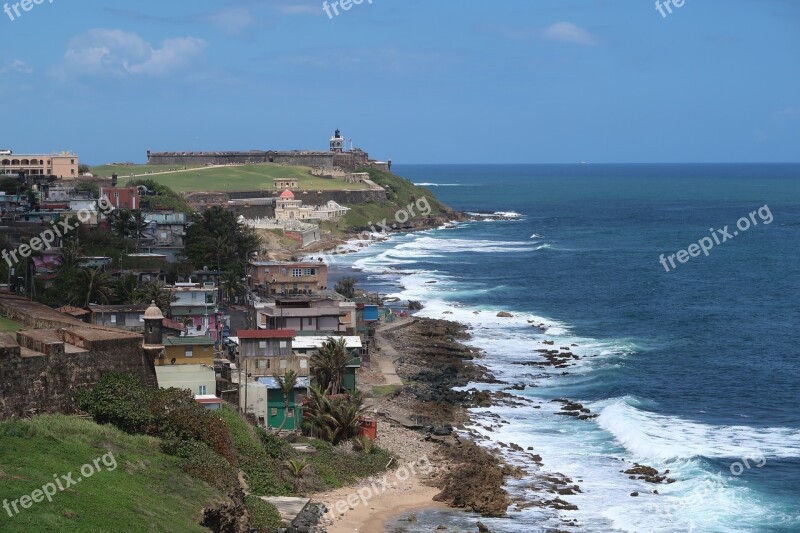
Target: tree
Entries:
(155, 291)
(233, 284)
(125, 289)
(83, 169)
(287, 383)
(216, 235)
(346, 287)
(335, 419)
(121, 222)
(138, 223)
(93, 285)
(329, 363)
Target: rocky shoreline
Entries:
(434, 360)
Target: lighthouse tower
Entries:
(337, 142)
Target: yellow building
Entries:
(187, 351)
(63, 165)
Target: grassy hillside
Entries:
(401, 194)
(230, 178)
(147, 491)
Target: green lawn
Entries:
(8, 326)
(125, 171)
(146, 491)
(232, 178)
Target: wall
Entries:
(348, 161)
(40, 373)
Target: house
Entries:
(308, 314)
(200, 379)
(187, 351)
(264, 399)
(307, 345)
(63, 165)
(288, 208)
(122, 197)
(195, 306)
(269, 353)
(281, 278)
(129, 317)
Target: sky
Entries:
(415, 81)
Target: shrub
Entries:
(264, 517)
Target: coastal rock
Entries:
(504, 314)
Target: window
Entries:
(273, 411)
(116, 194)
(262, 363)
(262, 345)
(202, 390)
(303, 363)
(290, 414)
(283, 344)
(209, 297)
(308, 271)
(113, 319)
(297, 272)
(188, 352)
(284, 364)
(309, 321)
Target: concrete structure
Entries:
(45, 367)
(200, 379)
(187, 351)
(335, 157)
(356, 177)
(308, 314)
(129, 317)
(265, 398)
(268, 353)
(270, 278)
(286, 183)
(195, 305)
(122, 197)
(288, 208)
(63, 165)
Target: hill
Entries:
(133, 487)
(224, 178)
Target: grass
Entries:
(230, 178)
(9, 326)
(146, 492)
(379, 391)
(124, 171)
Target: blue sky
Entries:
(417, 81)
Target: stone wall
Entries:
(43, 368)
(348, 161)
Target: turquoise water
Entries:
(692, 369)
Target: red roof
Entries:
(265, 334)
(287, 195)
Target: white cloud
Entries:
(21, 67)
(302, 9)
(567, 32)
(102, 51)
(232, 21)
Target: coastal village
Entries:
(118, 287)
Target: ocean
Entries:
(692, 369)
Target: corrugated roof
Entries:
(188, 341)
(314, 342)
(303, 382)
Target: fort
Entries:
(336, 158)
(42, 368)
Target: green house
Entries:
(349, 377)
(275, 410)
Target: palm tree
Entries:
(287, 384)
(346, 287)
(335, 419)
(155, 291)
(219, 248)
(93, 284)
(121, 222)
(233, 284)
(329, 363)
(71, 252)
(138, 223)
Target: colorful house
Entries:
(275, 408)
